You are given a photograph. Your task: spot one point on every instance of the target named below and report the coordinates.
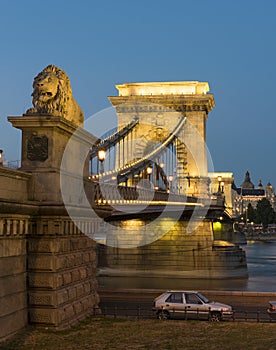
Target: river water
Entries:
(261, 263)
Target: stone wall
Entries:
(47, 271)
(13, 184)
(13, 273)
(47, 265)
(61, 275)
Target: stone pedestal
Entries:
(44, 139)
(61, 259)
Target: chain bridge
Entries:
(131, 209)
(152, 173)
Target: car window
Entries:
(192, 298)
(205, 300)
(175, 298)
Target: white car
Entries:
(272, 310)
(189, 305)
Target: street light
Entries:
(101, 157)
(1, 157)
(170, 178)
(149, 171)
(219, 184)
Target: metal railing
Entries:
(140, 312)
(14, 164)
(105, 193)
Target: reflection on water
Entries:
(261, 262)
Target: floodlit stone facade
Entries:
(161, 107)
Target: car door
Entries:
(195, 307)
(175, 305)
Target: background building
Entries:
(247, 193)
(223, 182)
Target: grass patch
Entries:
(99, 333)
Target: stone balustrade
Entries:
(14, 226)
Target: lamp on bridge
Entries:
(101, 157)
(170, 178)
(1, 157)
(219, 184)
(149, 171)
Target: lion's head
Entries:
(52, 95)
(46, 86)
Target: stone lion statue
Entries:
(52, 95)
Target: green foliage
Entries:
(264, 213)
(251, 213)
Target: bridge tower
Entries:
(160, 108)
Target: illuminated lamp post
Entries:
(149, 171)
(170, 178)
(1, 157)
(219, 184)
(101, 157)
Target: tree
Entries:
(264, 212)
(251, 213)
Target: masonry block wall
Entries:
(47, 265)
(47, 273)
(61, 278)
(13, 273)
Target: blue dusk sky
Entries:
(229, 44)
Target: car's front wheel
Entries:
(163, 315)
(215, 317)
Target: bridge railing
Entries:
(14, 164)
(106, 193)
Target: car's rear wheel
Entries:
(215, 317)
(163, 315)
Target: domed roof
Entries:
(247, 184)
(260, 184)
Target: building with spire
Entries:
(247, 193)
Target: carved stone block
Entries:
(43, 316)
(41, 262)
(66, 278)
(80, 290)
(37, 148)
(42, 298)
(75, 275)
(78, 307)
(72, 293)
(43, 280)
(63, 296)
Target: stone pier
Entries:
(47, 264)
